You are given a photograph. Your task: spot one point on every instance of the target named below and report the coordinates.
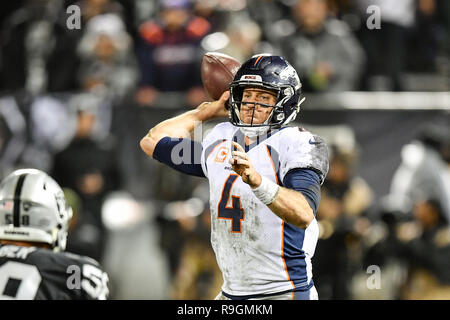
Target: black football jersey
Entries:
(30, 273)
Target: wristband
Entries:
(266, 191)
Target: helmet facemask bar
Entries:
(276, 118)
(251, 124)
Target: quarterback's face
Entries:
(254, 111)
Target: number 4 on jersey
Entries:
(235, 213)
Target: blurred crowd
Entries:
(145, 47)
(76, 98)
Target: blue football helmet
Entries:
(272, 73)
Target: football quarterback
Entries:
(264, 178)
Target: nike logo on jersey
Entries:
(311, 141)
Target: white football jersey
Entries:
(257, 252)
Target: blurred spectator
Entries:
(197, 276)
(272, 16)
(65, 59)
(346, 198)
(427, 38)
(137, 268)
(63, 62)
(244, 36)
(425, 246)
(415, 250)
(8, 8)
(340, 8)
(128, 124)
(26, 41)
(170, 53)
(88, 166)
(324, 52)
(413, 254)
(84, 236)
(39, 51)
(107, 61)
(93, 8)
(386, 47)
(379, 253)
(53, 124)
(210, 11)
(52, 127)
(13, 135)
(144, 10)
(342, 183)
(173, 191)
(425, 170)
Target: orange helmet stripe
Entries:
(257, 60)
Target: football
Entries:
(217, 71)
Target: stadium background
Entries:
(76, 102)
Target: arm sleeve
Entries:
(183, 155)
(307, 182)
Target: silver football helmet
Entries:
(33, 208)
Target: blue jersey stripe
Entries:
(294, 256)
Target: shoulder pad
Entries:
(304, 150)
(81, 259)
(319, 155)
